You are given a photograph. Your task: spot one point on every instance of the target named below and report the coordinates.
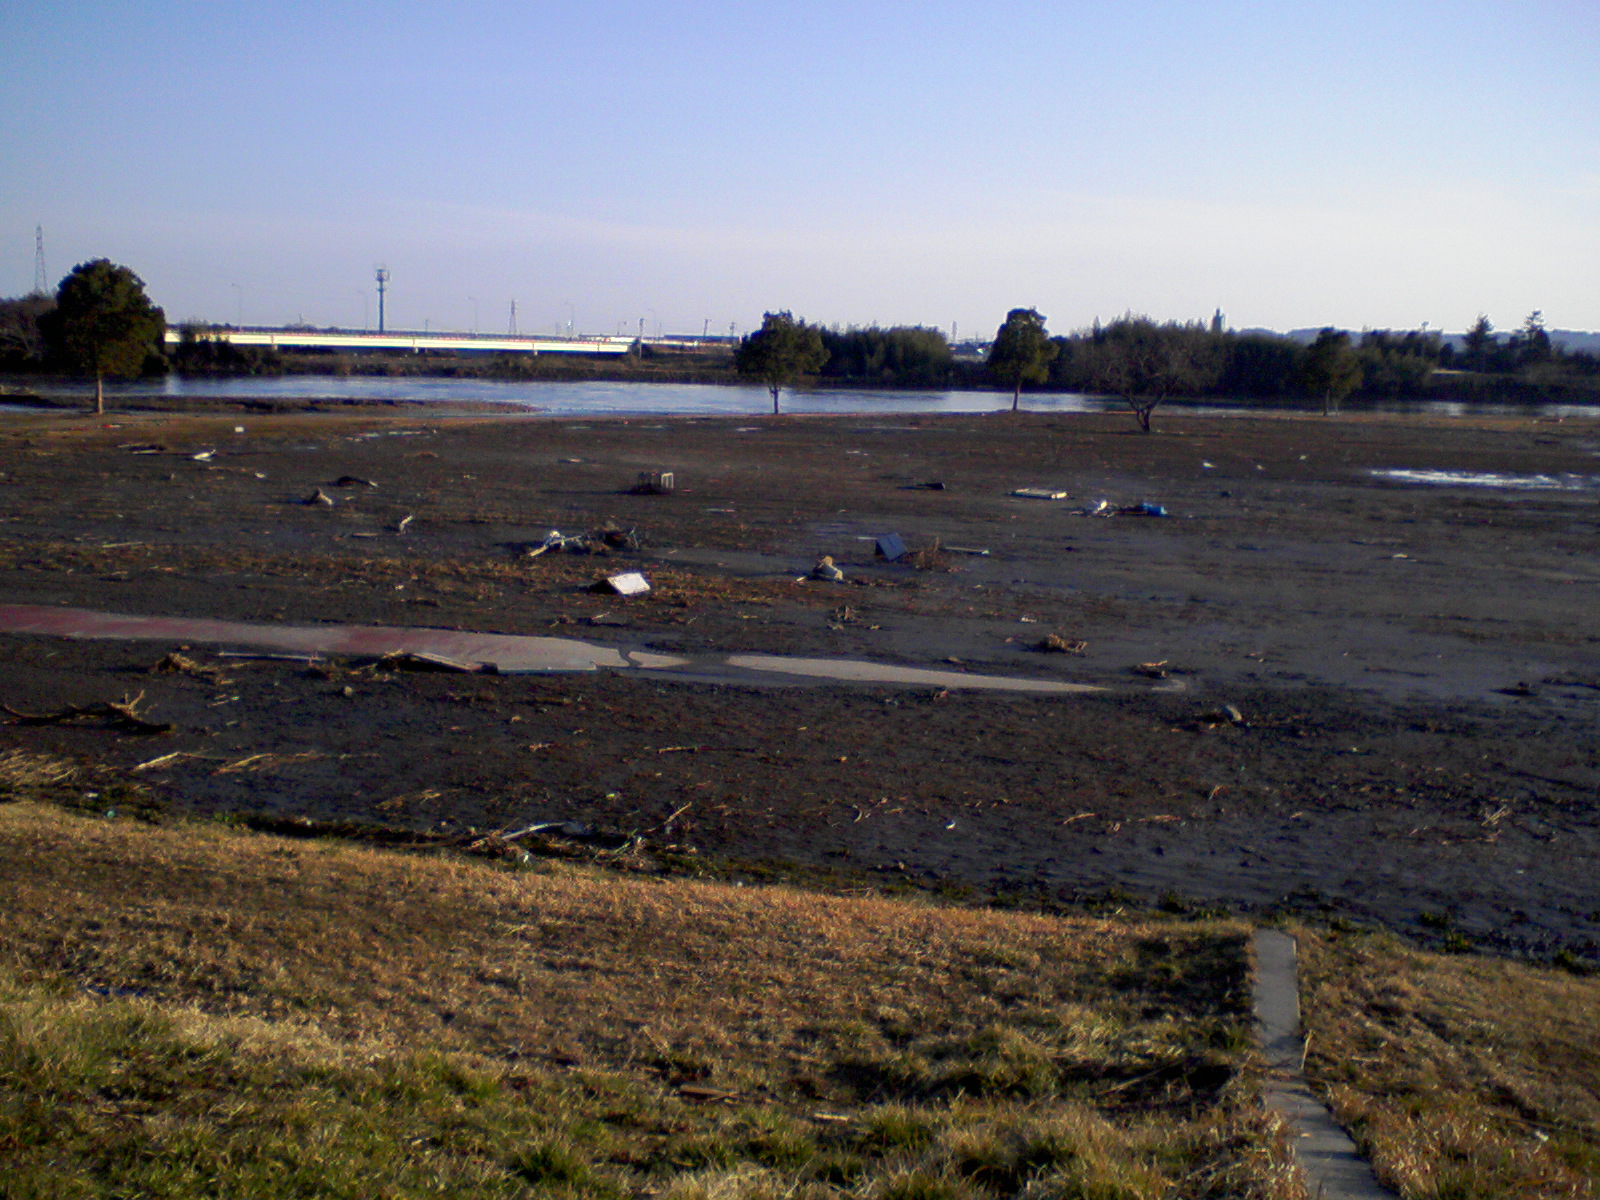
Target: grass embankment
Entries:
(1460, 1076)
(195, 1010)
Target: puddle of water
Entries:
(1488, 479)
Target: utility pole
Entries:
(382, 274)
(512, 328)
(40, 277)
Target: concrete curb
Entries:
(1333, 1169)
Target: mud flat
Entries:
(1327, 687)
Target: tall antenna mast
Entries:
(40, 276)
(382, 274)
(513, 329)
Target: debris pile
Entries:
(826, 571)
(1054, 643)
(1104, 508)
(654, 483)
(604, 540)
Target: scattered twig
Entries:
(122, 714)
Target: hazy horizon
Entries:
(1358, 165)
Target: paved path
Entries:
(510, 654)
(1333, 1169)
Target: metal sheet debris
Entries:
(630, 583)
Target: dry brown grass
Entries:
(570, 963)
(1461, 1076)
(942, 1046)
(23, 771)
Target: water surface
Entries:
(597, 397)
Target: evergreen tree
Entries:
(103, 324)
(1332, 368)
(780, 352)
(1021, 352)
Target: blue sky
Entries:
(1359, 164)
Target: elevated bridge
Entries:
(359, 340)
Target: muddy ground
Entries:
(1417, 667)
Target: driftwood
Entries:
(122, 715)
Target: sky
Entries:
(603, 162)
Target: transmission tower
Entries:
(382, 274)
(40, 276)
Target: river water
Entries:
(691, 399)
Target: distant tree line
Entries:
(100, 324)
(1145, 362)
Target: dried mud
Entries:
(1416, 667)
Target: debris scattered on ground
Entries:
(614, 537)
(271, 656)
(554, 540)
(1033, 493)
(930, 558)
(346, 481)
(1104, 508)
(655, 483)
(122, 714)
(889, 547)
(178, 664)
(143, 447)
(412, 660)
(630, 583)
(400, 525)
(1054, 643)
(841, 616)
(1151, 670)
(606, 538)
(319, 497)
(203, 456)
(261, 762)
(826, 571)
(932, 485)
(165, 760)
(1217, 717)
(973, 550)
